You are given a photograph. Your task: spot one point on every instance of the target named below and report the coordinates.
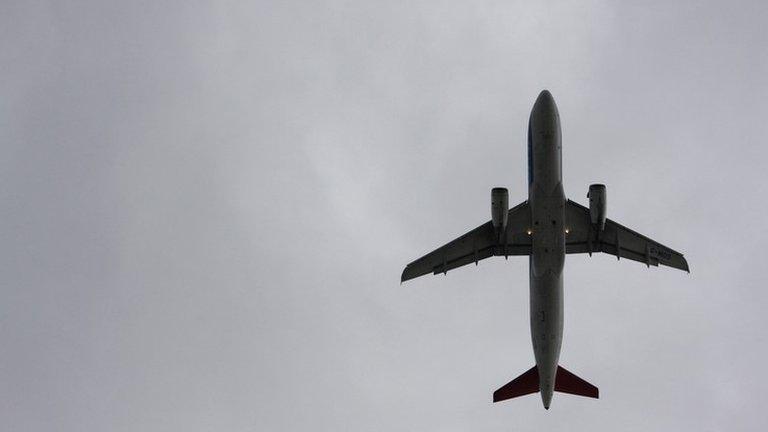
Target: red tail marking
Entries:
(566, 382)
(526, 383)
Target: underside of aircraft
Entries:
(546, 227)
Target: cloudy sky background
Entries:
(206, 206)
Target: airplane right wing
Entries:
(480, 243)
(615, 239)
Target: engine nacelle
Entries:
(499, 208)
(597, 204)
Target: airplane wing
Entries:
(616, 240)
(478, 244)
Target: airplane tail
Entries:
(528, 382)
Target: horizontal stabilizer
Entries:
(566, 382)
(526, 383)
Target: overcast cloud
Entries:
(206, 207)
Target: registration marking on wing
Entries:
(661, 252)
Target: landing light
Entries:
(567, 230)
(529, 232)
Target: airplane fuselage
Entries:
(547, 203)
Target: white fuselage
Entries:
(547, 202)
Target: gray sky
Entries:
(206, 208)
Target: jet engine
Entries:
(499, 208)
(597, 203)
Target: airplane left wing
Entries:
(615, 239)
(478, 244)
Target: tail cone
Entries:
(546, 397)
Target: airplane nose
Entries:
(545, 100)
(545, 106)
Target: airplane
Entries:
(546, 227)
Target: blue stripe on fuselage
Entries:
(530, 155)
